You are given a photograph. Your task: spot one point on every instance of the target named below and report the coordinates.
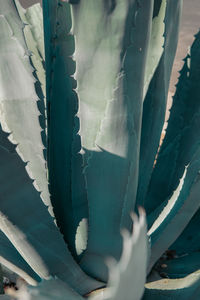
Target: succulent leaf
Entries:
(67, 186)
(134, 257)
(34, 37)
(32, 16)
(99, 109)
(189, 240)
(51, 289)
(11, 258)
(19, 104)
(30, 227)
(178, 211)
(156, 44)
(155, 103)
(156, 8)
(181, 140)
(110, 116)
(186, 288)
(182, 266)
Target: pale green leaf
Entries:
(187, 288)
(176, 213)
(189, 240)
(182, 134)
(19, 114)
(69, 199)
(154, 107)
(10, 258)
(34, 37)
(24, 219)
(156, 45)
(52, 289)
(110, 59)
(128, 276)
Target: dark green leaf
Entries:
(11, 258)
(155, 105)
(175, 214)
(67, 185)
(187, 288)
(19, 113)
(182, 137)
(111, 61)
(24, 219)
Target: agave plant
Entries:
(81, 123)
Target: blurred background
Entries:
(189, 26)
(27, 3)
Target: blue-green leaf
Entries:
(34, 37)
(127, 277)
(32, 16)
(19, 113)
(10, 258)
(155, 103)
(30, 227)
(156, 44)
(111, 60)
(189, 240)
(179, 267)
(176, 213)
(182, 138)
(186, 288)
(52, 289)
(67, 185)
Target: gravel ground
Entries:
(189, 26)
